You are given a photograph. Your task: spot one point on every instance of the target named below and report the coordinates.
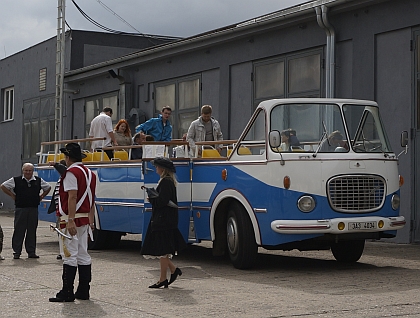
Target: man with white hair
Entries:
(25, 190)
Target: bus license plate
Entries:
(354, 226)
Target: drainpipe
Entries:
(327, 50)
(324, 9)
(322, 19)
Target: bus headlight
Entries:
(395, 201)
(306, 203)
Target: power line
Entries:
(148, 36)
(119, 17)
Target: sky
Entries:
(24, 23)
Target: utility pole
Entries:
(59, 71)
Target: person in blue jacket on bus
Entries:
(159, 128)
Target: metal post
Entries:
(59, 71)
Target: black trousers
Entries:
(25, 225)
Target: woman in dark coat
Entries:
(163, 238)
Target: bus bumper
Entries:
(339, 225)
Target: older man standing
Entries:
(25, 190)
(205, 128)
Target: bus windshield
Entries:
(310, 127)
(366, 129)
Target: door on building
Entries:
(416, 152)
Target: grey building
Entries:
(27, 90)
(364, 49)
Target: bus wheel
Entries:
(348, 251)
(99, 240)
(113, 239)
(104, 240)
(241, 243)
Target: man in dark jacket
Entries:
(25, 190)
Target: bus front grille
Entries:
(356, 193)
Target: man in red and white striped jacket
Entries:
(76, 212)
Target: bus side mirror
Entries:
(404, 138)
(275, 139)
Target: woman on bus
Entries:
(163, 238)
(122, 133)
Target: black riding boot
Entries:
(85, 276)
(66, 294)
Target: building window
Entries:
(183, 96)
(95, 105)
(304, 75)
(269, 80)
(38, 126)
(295, 75)
(8, 103)
(42, 79)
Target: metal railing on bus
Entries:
(205, 149)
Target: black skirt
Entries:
(162, 242)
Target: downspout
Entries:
(327, 51)
(327, 24)
(322, 19)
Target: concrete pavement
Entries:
(384, 283)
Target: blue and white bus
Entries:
(310, 193)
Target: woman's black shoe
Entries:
(160, 284)
(175, 275)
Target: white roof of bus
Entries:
(272, 102)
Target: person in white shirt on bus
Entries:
(101, 126)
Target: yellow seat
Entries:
(55, 157)
(121, 155)
(89, 156)
(244, 151)
(210, 153)
(97, 156)
(229, 151)
(52, 157)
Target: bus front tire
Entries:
(241, 245)
(348, 251)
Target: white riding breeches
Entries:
(77, 248)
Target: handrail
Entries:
(44, 143)
(174, 142)
(56, 143)
(218, 142)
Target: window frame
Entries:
(36, 113)
(99, 102)
(285, 59)
(177, 130)
(8, 103)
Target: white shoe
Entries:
(1, 258)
